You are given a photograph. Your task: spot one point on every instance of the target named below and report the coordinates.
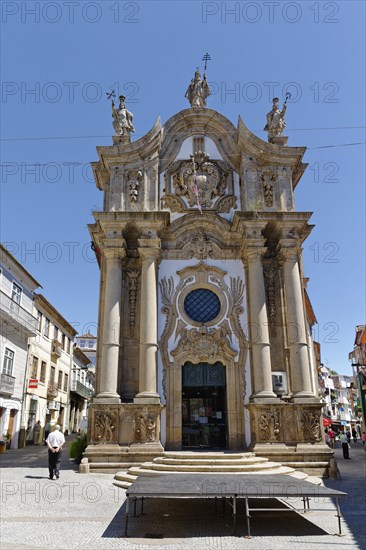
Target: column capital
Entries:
(149, 248)
(252, 254)
(114, 253)
(290, 253)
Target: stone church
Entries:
(204, 340)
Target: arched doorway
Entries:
(204, 411)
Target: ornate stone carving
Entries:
(105, 426)
(201, 246)
(122, 120)
(270, 271)
(198, 90)
(268, 179)
(133, 276)
(145, 427)
(275, 120)
(173, 203)
(269, 426)
(134, 178)
(210, 176)
(205, 343)
(225, 204)
(310, 423)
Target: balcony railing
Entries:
(81, 389)
(7, 383)
(16, 313)
(52, 391)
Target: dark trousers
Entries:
(345, 450)
(54, 460)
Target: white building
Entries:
(49, 369)
(81, 390)
(18, 323)
(88, 344)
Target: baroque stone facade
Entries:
(202, 293)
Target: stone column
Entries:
(259, 334)
(108, 369)
(148, 328)
(296, 327)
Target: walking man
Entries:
(345, 446)
(55, 440)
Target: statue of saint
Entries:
(275, 120)
(198, 90)
(122, 118)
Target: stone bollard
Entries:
(84, 467)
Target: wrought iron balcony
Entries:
(7, 383)
(52, 391)
(17, 316)
(81, 389)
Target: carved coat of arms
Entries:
(210, 179)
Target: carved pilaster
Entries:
(133, 276)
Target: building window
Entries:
(63, 341)
(34, 370)
(91, 344)
(82, 343)
(46, 327)
(8, 361)
(202, 305)
(16, 293)
(68, 346)
(42, 376)
(55, 333)
(66, 381)
(59, 381)
(39, 321)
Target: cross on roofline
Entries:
(206, 58)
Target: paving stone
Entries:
(86, 512)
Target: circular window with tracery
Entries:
(202, 305)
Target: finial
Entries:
(122, 118)
(198, 90)
(276, 122)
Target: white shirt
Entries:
(55, 439)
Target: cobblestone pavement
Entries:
(87, 512)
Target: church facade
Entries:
(203, 336)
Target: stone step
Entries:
(206, 455)
(211, 461)
(125, 476)
(161, 468)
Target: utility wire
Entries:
(138, 135)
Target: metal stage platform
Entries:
(230, 488)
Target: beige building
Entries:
(18, 324)
(203, 341)
(49, 370)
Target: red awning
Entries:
(327, 422)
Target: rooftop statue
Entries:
(198, 90)
(122, 119)
(276, 120)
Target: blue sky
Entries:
(59, 58)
